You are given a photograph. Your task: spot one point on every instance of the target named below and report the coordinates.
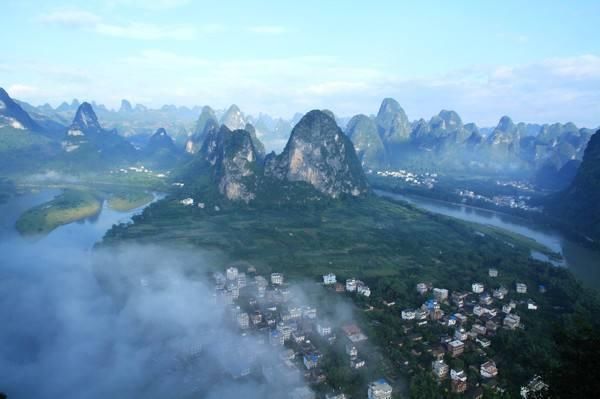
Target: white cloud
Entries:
(150, 4)
(71, 18)
(146, 31)
(553, 90)
(22, 90)
(268, 29)
(335, 87)
(78, 19)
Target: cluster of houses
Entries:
(190, 202)
(138, 169)
(427, 180)
(352, 285)
(474, 317)
(266, 308)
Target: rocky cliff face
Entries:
(86, 137)
(207, 123)
(392, 122)
(577, 206)
(233, 118)
(13, 115)
(320, 154)
(370, 150)
(160, 141)
(233, 163)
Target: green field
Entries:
(364, 238)
(126, 201)
(70, 206)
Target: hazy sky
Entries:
(537, 61)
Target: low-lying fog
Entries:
(64, 336)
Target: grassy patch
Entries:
(70, 206)
(126, 201)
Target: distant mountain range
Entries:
(390, 140)
(550, 154)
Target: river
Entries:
(81, 235)
(582, 262)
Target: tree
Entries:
(423, 386)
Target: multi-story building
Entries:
(440, 294)
(285, 330)
(521, 288)
(485, 299)
(440, 369)
(276, 278)
(324, 329)
(493, 272)
(363, 289)
(458, 298)
(241, 280)
(478, 329)
(243, 320)
(379, 389)
(456, 348)
(408, 314)
(351, 285)
(329, 279)
(488, 369)
(422, 288)
(512, 321)
(477, 288)
(231, 273)
(460, 334)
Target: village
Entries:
(268, 309)
(426, 180)
(462, 323)
(508, 201)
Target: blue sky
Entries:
(537, 61)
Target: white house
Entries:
(477, 288)
(380, 389)
(440, 294)
(408, 314)
(351, 285)
(231, 273)
(329, 279)
(276, 278)
(488, 369)
(521, 288)
(187, 201)
(363, 290)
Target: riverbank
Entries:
(127, 201)
(579, 259)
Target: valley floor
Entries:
(391, 246)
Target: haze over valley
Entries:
(299, 201)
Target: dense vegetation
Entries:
(392, 246)
(577, 206)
